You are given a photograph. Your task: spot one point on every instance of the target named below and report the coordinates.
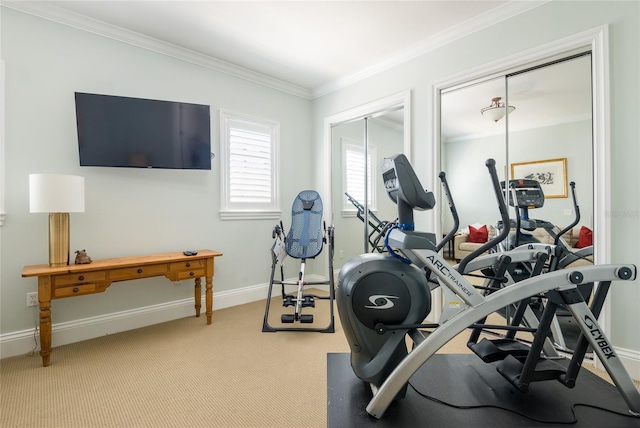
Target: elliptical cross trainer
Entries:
(383, 299)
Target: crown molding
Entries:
(485, 20)
(53, 13)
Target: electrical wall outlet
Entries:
(32, 299)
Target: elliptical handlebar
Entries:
(504, 214)
(516, 207)
(576, 207)
(452, 208)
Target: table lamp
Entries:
(57, 195)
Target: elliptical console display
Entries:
(528, 193)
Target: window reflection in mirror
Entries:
(385, 136)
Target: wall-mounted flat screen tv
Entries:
(116, 131)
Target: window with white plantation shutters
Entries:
(353, 173)
(249, 167)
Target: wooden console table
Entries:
(95, 277)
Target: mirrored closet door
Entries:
(361, 206)
(544, 127)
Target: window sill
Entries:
(250, 215)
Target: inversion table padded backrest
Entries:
(305, 236)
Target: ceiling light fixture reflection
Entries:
(496, 110)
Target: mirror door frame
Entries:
(392, 102)
(595, 40)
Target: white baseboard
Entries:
(23, 342)
(631, 361)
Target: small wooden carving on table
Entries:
(82, 258)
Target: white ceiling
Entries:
(312, 45)
(310, 48)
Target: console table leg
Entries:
(198, 295)
(44, 297)
(209, 298)
(45, 334)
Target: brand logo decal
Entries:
(381, 301)
(592, 325)
(438, 265)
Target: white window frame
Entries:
(351, 145)
(248, 210)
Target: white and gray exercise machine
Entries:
(383, 299)
(526, 194)
(523, 195)
(304, 241)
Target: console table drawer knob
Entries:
(77, 278)
(191, 273)
(188, 264)
(74, 290)
(139, 270)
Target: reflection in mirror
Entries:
(468, 140)
(552, 120)
(559, 97)
(375, 137)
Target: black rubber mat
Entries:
(463, 391)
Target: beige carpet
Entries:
(178, 374)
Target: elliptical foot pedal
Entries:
(306, 318)
(287, 318)
(498, 349)
(511, 369)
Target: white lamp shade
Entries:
(56, 193)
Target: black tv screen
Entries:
(140, 133)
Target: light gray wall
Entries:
(469, 182)
(128, 211)
(542, 25)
